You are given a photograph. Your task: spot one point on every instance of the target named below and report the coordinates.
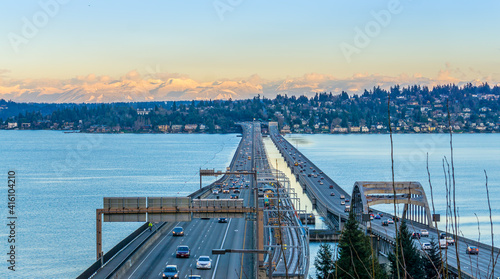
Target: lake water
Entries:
(61, 179)
(350, 158)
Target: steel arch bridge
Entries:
(411, 194)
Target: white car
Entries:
(424, 233)
(426, 246)
(204, 262)
(450, 240)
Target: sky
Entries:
(55, 46)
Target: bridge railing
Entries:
(89, 272)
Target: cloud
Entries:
(163, 86)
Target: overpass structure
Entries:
(330, 201)
(411, 194)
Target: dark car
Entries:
(236, 191)
(415, 235)
(170, 271)
(385, 223)
(182, 251)
(472, 250)
(234, 197)
(222, 220)
(178, 231)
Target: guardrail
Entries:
(112, 273)
(111, 253)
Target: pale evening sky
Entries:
(401, 41)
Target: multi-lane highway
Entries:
(329, 195)
(201, 236)
(321, 187)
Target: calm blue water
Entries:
(61, 179)
(350, 158)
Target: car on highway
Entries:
(347, 200)
(222, 220)
(182, 251)
(215, 191)
(450, 240)
(385, 223)
(170, 271)
(342, 196)
(234, 197)
(390, 221)
(443, 244)
(381, 214)
(178, 231)
(415, 235)
(424, 233)
(342, 202)
(194, 277)
(225, 191)
(377, 217)
(204, 262)
(426, 246)
(236, 191)
(332, 194)
(472, 250)
(321, 183)
(331, 187)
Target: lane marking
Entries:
(243, 254)
(222, 244)
(151, 252)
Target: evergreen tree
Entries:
(324, 262)
(409, 260)
(433, 262)
(355, 253)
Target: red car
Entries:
(182, 251)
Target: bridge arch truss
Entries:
(368, 193)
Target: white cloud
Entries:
(161, 86)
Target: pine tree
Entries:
(355, 254)
(409, 260)
(433, 262)
(324, 262)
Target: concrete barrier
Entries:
(143, 248)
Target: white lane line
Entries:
(222, 244)
(150, 253)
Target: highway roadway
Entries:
(319, 184)
(204, 235)
(475, 265)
